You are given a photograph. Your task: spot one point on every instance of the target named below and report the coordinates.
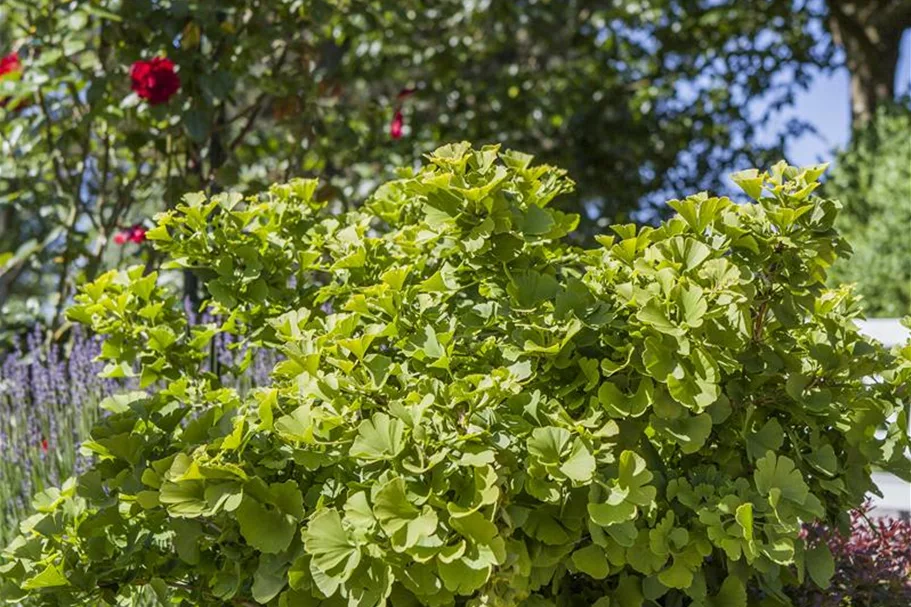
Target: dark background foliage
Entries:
(636, 99)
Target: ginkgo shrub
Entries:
(470, 411)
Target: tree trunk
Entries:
(869, 32)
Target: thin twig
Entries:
(258, 103)
(60, 165)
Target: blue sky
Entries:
(826, 104)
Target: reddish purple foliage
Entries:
(872, 565)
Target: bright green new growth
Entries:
(470, 411)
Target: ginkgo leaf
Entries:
(694, 306)
(621, 404)
(774, 472)
(591, 561)
(769, 438)
(655, 316)
(329, 544)
(731, 594)
(395, 513)
(266, 529)
(820, 564)
(379, 438)
(557, 449)
(547, 444)
(580, 464)
(49, 577)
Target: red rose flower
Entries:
(398, 119)
(10, 64)
(154, 80)
(137, 234)
(395, 127)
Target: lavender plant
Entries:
(51, 395)
(49, 400)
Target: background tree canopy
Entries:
(635, 99)
(873, 177)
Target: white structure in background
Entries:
(896, 499)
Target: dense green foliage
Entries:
(873, 178)
(469, 410)
(634, 98)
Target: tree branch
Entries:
(258, 103)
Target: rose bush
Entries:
(467, 410)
